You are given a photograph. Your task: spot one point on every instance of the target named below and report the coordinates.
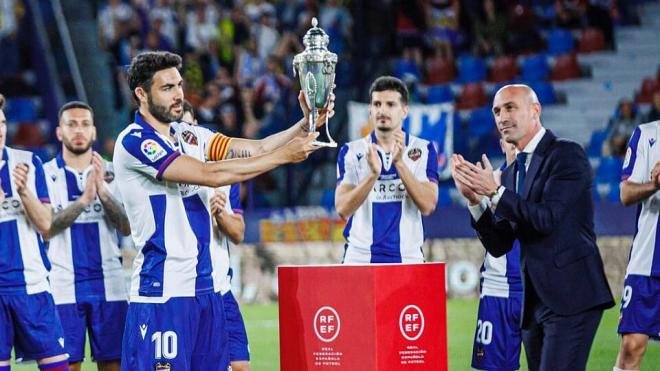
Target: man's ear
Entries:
(141, 94)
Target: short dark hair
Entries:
(384, 83)
(187, 107)
(72, 105)
(2, 101)
(145, 65)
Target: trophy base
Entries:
(325, 144)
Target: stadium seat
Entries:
(504, 69)
(545, 92)
(596, 143)
(439, 71)
(21, 109)
(560, 41)
(609, 170)
(328, 199)
(535, 68)
(649, 86)
(472, 96)
(471, 69)
(405, 68)
(566, 68)
(481, 122)
(439, 94)
(28, 135)
(591, 40)
(614, 194)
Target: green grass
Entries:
(261, 322)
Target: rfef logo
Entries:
(326, 324)
(411, 322)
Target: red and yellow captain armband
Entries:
(218, 147)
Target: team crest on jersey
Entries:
(163, 366)
(414, 154)
(189, 137)
(153, 150)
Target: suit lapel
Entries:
(537, 160)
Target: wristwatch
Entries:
(496, 191)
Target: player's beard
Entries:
(77, 150)
(162, 113)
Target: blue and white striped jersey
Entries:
(85, 258)
(501, 276)
(641, 157)
(194, 141)
(387, 227)
(24, 265)
(170, 231)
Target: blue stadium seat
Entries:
(596, 143)
(609, 170)
(545, 92)
(439, 94)
(405, 68)
(481, 122)
(614, 194)
(560, 41)
(535, 68)
(328, 199)
(21, 110)
(471, 69)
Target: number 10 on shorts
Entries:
(165, 344)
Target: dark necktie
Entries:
(521, 158)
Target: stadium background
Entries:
(593, 63)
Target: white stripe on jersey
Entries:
(31, 277)
(642, 155)
(63, 181)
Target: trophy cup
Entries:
(316, 69)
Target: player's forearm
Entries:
(632, 193)
(274, 141)
(232, 226)
(218, 174)
(348, 200)
(64, 219)
(423, 194)
(114, 212)
(37, 213)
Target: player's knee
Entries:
(633, 346)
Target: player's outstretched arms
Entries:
(186, 169)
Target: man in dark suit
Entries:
(545, 203)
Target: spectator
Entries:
(201, 26)
(654, 112)
(115, 18)
(490, 30)
(620, 128)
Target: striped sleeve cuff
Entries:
(166, 164)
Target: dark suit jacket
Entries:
(554, 221)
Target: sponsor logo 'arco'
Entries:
(326, 324)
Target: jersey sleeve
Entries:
(635, 165)
(347, 166)
(429, 172)
(40, 182)
(235, 198)
(149, 153)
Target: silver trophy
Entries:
(316, 68)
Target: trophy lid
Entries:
(316, 37)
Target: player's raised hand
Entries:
(2, 193)
(20, 175)
(299, 148)
(399, 144)
(218, 202)
(97, 162)
(375, 164)
(89, 193)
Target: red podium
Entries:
(363, 317)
